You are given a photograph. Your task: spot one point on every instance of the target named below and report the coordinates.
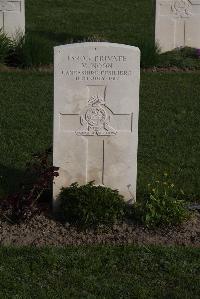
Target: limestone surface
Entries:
(96, 106)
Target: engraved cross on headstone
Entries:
(96, 123)
(183, 17)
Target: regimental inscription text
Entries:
(97, 68)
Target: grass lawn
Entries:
(26, 121)
(168, 127)
(100, 272)
(131, 22)
(60, 21)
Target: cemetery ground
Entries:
(168, 127)
(100, 272)
(168, 142)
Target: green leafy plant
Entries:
(149, 53)
(5, 45)
(90, 205)
(23, 204)
(29, 50)
(182, 57)
(163, 205)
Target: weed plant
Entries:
(5, 46)
(25, 51)
(182, 57)
(90, 205)
(163, 205)
(29, 50)
(149, 53)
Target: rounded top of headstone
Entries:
(98, 44)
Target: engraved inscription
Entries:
(181, 8)
(95, 120)
(97, 68)
(3, 5)
(6, 5)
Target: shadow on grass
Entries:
(59, 37)
(13, 181)
(10, 180)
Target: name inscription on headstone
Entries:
(97, 68)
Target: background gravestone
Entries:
(12, 16)
(96, 105)
(177, 24)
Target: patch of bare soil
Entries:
(43, 231)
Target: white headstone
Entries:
(12, 17)
(96, 106)
(177, 24)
